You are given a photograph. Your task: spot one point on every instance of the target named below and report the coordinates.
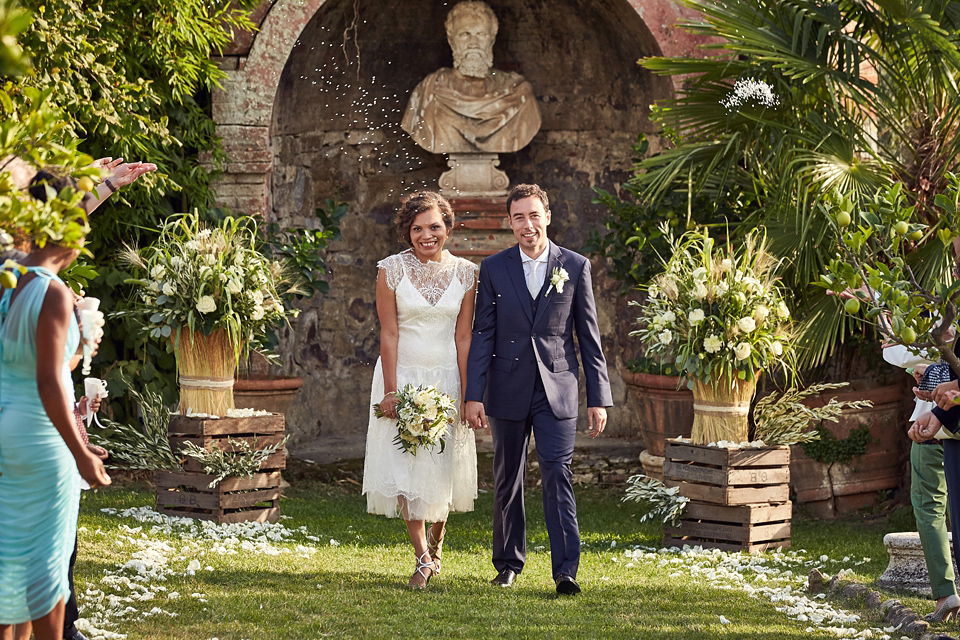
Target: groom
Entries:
(523, 373)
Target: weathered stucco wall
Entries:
(333, 131)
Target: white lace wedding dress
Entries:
(433, 483)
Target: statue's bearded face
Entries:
(472, 44)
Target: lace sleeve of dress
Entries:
(393, 268)
(467, 273)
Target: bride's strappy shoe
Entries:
(421, 566)
(435, 548)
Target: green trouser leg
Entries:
(928, 495)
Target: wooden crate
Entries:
(255, 499)
(752, 528)
(728, 476)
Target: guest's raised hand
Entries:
(127, 173)
(924, 428)
(939, 394)
(918, 372)
(596, 420)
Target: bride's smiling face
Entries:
(427, 234)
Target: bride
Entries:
(425, 303)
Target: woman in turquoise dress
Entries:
(40, 448)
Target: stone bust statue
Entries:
(472, 108)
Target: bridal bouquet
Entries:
(720, 311)
(423, 414)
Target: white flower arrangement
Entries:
(721, 313)
(208, 279)
(423, 415)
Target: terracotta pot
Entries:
(829, 490)
(666, 408)
(266, 394)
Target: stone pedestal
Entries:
(907, 569)
(481, 227)
(473, 175)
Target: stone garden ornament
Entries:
(472, 112)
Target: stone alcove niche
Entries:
(311, 111)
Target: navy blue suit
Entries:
(523, 366)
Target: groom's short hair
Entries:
(522, 191)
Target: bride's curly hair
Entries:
(416, 204)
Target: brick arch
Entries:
(243, 106)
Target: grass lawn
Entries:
(337, 572)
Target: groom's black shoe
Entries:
(567, 586)
(505, 578)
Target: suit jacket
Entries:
(511, 342)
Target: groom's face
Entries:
(529, 222)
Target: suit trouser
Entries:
(928, 495)
(554, 441)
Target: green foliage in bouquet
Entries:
(784, 419)
(721, 311)
(894, 285)
(142, 446)
(663, 502)
(423, 414)
(240, 460)
(209, 278)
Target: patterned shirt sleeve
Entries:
(393, 269)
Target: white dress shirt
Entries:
(534, 269)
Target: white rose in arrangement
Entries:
(746, 324)
(653, 291)
(742, 351)
(169, 289)
(257, 313)
(256, 296)
(669, 317)
(234, 286)
(695, 317)
(665, 336)
(154, 286)
(712, 344)
(782, 310)
(722, 288)
(761, 313)
(726, 265)
(206, 304)
(700, 291)
(776, 348)
(157, 272)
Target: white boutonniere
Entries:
(557, 278)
